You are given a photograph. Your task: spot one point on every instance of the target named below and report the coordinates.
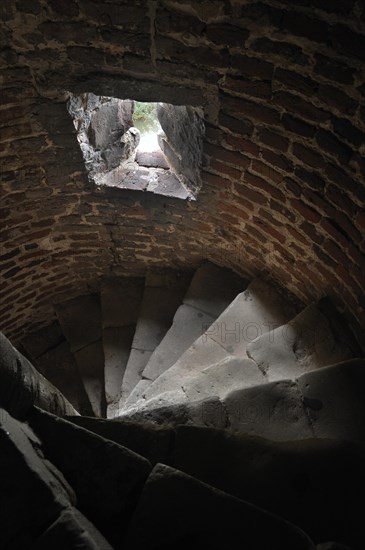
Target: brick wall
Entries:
(282, 87)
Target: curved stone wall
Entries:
(282, 88)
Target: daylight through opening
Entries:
(154, 147)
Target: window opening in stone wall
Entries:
(154, 147)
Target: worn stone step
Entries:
(313, 483)
(156, 443)
(323, 403)
(59, 366)
(40, 341)
(211, 290)
(117, 343)
(255, 311)
(163, 293)
(120, 301)
(120, 304)
(36, 500)
(306, 343)
(51, 355)
(217, 380)
(80, 320)
(21, 385)
(73, 531)
(90, 363)
(178, 511)
(333, 399)
(106, 477)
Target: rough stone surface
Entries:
(121, 303)
(71, 530)
(90, 363)
(254, 311)
(104, 131)
(178, 511)
(80, 320)
(313, 483)
(210, 291)
(106, 477)
(305, 343)
(117, 343)
(21, 385)
(333, 400)
(162, 296)
(41, 341)
(156, 443)
(182, 143)
(58, 365)
(36, 498)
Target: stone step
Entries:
(90, 363)
(37, 501)
(178, 511)
(217, 380)
(21, 385)
(156, 443)
(59, 366)
(306, 343)
(255, 311)
(81, 323)
(120, 304)
(211, 290)
(313, 483)
(51, 355)
(80, 320)
(106, 477)
(326, 403)
(163, 294)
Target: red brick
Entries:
(250, 194)
(251, 88)
(334, 231)
(335, 252)
(312, 179)
(336, 98)
(325, 260)
(226, 35)
(172, 22)
(279, 161)
(242, 127)
(310, 230)
(225, 170)
(295, 81)
(330, 144)
(340, 199)
(308, 156)
(273, 140)
(243, 145)
(263, 185)
(315, 30)
(297, 126)
(251, 66)
(333, 69)
(226, 155)
(291, 52)
(249, 109)
(266, 228)
(266, 171)
(283, 210)
(297, 106)
(306, 211)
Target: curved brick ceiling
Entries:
(282, 87)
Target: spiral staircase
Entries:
(201, 411)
